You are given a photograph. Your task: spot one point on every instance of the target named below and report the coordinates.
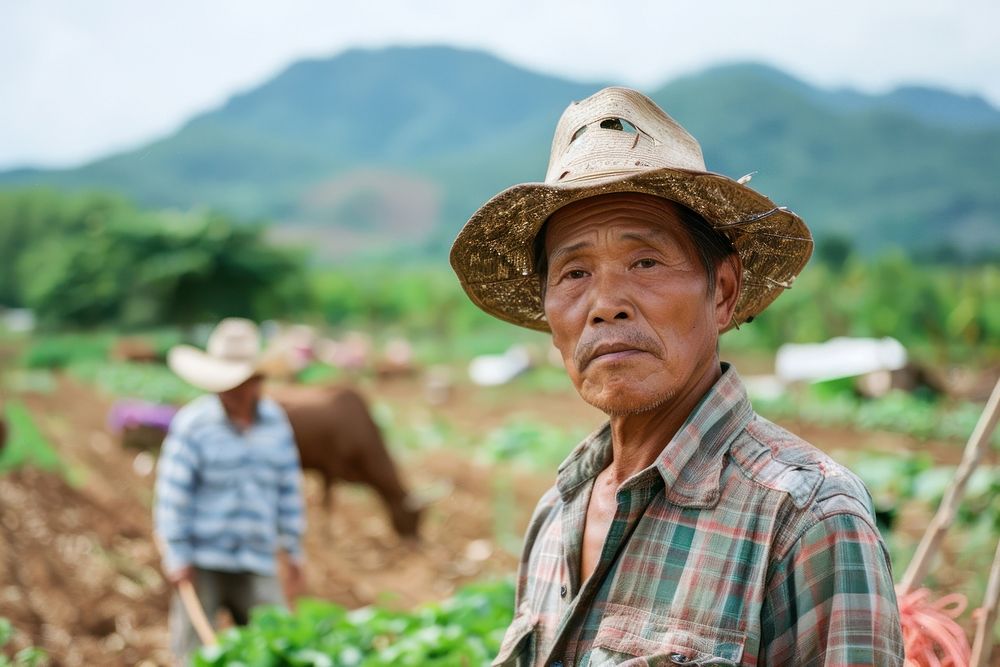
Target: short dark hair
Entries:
(712, 247)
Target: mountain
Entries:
(397, 147)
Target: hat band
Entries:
(236, 357)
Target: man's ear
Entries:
(728, 282)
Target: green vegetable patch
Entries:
(464, 630)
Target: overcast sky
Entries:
(80, 79)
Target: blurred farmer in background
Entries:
(686, 530)
(228, 487)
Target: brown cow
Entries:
(337, 437)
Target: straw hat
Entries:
(618, 140)
(230, 358)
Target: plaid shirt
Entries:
(740, 545)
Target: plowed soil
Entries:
(79, 572)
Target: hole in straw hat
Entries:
(618, 124)
(576, 135)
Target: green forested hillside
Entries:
(374, 151)
(875, 174)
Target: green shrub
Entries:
(59, 351)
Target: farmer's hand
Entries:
(185, 573)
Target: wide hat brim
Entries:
(493, 254)
(207, 372)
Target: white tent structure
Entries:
(838, 358)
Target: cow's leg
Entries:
(327, 495)
(328, 505)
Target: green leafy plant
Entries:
(897, 411)
(30, 656)
(26, 446)
(533, 443)
(149, 382)
(464, 630)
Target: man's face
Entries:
(628, 302)
(242, 400)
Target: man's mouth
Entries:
(611, 352)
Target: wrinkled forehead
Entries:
(657, 215)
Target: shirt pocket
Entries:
(636, 638)
(518, 646)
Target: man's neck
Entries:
(241, 419)
(638, 439)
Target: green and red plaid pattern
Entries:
(741, 545)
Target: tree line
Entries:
(95, 260)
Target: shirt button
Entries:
(562, 591)
(557, 663)
(678, 658)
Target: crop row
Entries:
(462, 631)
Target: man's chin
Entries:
(623, 404)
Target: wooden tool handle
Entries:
(195, 612)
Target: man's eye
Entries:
(575, 274)
(646, 263)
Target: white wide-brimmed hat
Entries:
(619, 140)
(231, 357)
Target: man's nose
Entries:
(610, 299)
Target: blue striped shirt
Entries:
(227, 500)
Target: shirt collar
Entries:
(690, 465)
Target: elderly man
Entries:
(688, 529)
(228, 487)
